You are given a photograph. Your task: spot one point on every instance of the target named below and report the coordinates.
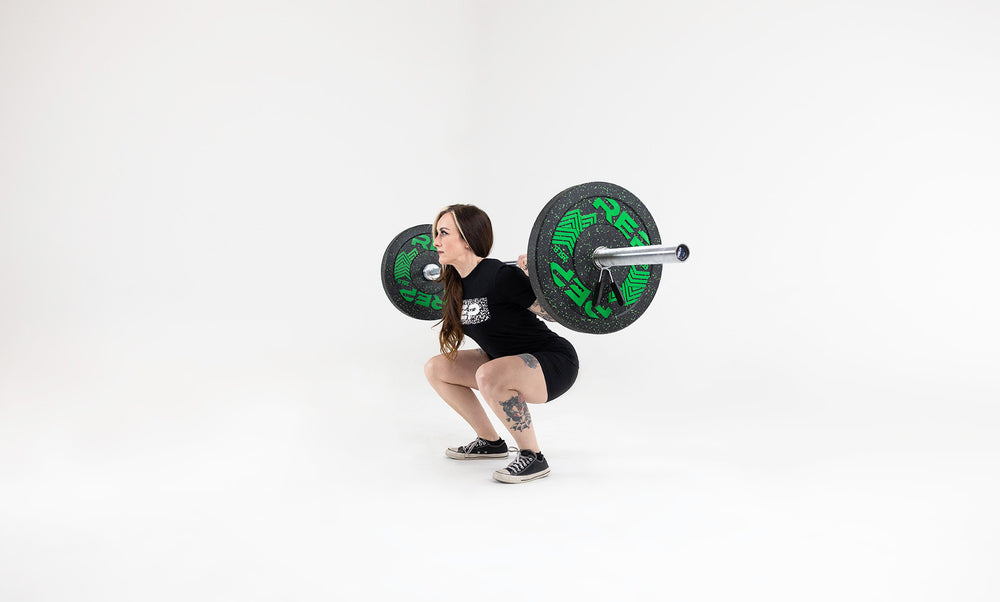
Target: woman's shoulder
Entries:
(493, 268)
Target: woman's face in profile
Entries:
(448, 241)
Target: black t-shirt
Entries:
(495, 314)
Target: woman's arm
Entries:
(536, 308)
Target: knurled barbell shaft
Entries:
(607, 258)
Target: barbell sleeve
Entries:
(652, 254)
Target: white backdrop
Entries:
(205, 395)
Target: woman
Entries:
(519, 362)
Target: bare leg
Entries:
(454, 380)
(508, 385)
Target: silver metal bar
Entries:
(653, 254)
(608, 258)
(432, 271)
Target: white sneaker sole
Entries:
(504, 477)
(454, 453)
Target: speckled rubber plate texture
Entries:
(560, 257)
(403, 274)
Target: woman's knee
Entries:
(488, 378)
(435, 368)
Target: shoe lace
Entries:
(475, 444)
(520, 463)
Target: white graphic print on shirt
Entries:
(475, 311)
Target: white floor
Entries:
(216, 483)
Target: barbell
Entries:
(594, 261)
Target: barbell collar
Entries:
(653, 254)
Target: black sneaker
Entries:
(478, 450)
(528, 466)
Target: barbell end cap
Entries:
(432, 272)
(682, 252)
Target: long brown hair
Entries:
(476, 230)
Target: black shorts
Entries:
(560, 366)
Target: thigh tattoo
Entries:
(529, 360)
